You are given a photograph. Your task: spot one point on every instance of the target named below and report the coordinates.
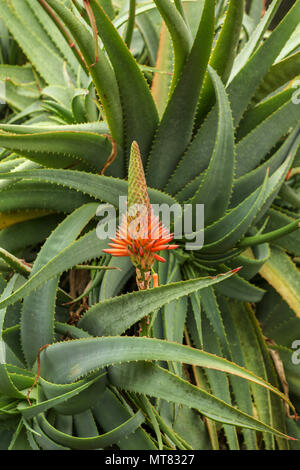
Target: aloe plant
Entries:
(186, 103)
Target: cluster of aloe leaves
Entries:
(208, 92)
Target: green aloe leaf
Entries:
(98, 127)
(276, 406)
(208, 302)
(216, 186)
(161, 81)
(60, 148)
(139, 111)
(25, 196)
(169, 321)
(96, 353)
(252, 149)
(277, 319)
(111, 413)
(114, 281)
(255, 115)
(291, 46)
(244, 214)
(18, 74)
(26, 14)
(248, 331)
(15, 263)
(7, 386)
(240, 289)
(57, 38)
(84, 424)
(23, 234)
(98, 186)
(236, 222)
(20, 97)
(254, 40)
(290, 195)
(187, 177)
(256, 10)
(245, 83)
(164, 384)
(147, 28)
(29, 412)
(279, 74)
(127, 309)
(19, 440)
(282, 274)
(241, 389)
(84, 249)
(33, 46)
(246, 184)
(37, 319)
(278, 220)
(86, 443)
(223, 55)
(252, 260)
(271, 236)
(130, 23)
(102, 73)
(180, 34)
(78, 403)
(42, 441)
(175, 129)
(219, 384)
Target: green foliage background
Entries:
(209, 92)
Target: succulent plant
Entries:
(181, 104)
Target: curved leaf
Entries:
(284, 276)
(279, 74)
(86, 248)
(140, 113)
(180, 34)
(245, 83)
(216, 186)
(98, 186)
(175, 129)
(102, 73)
(32, 196)
(157, 382)
(85, 443)
(37, 318)
(223, 55)
(60, 148)
(114, 316)
(33, 46)
(86, 355)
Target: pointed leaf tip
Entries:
(236, 270)
(288, 176)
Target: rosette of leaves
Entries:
(209, 94)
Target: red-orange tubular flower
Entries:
(140, 235)
(141, 240)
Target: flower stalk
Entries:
(141, 235)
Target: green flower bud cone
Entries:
(137, 187)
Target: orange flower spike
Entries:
(140, 234)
